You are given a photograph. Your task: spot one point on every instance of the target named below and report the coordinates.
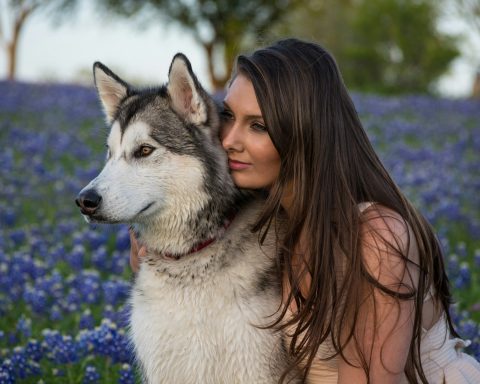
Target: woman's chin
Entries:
(244, 181)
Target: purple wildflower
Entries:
(91, 375)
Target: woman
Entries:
(365, 291)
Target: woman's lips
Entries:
(238, 165)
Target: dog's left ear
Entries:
(185, 91)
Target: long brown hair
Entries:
(328, 160)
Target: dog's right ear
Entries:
(111, 89)
(185, 91)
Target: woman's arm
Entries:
(384, 328)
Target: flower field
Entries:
(64, 284)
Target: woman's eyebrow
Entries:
(254, 117)
(247, 117)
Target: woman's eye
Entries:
(259, 127)
(226, 115)
(143, 151)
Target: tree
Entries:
(222, 27)
(386, 46)
(398, 46)
(326, 21)
(469, 11)
(13, 16)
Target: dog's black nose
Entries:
(89, 201)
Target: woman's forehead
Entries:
(241, 96)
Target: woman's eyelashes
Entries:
(259, 127)
(226, 114)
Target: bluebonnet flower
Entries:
(34, 350)
(36, 299)
(55, 313)
(464, 277)
(86, 320)
(65, 228)
(107, 340)
(12, 338)
(89, 284)
(76, 258)
(56, 253)
(33, 368)
(461, 249)
(7, 216)
(96, 239)
(19, 269)
(100, 259)
(127, 374)
(122, 242)
(91, 375)
(53, 284)
(119, 261)
(86, 286)
(38, 245)
(469, 329)
(19, 362)
(7, 372)
(61, 349)
(72, 300)
(24, 326)
(78, 237)
(18, 236)
(25, 265)
(115, 291)
(109, 313)
(444, 243)
(453, 265)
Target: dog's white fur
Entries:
(195, 320)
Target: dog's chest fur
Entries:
(195, 320)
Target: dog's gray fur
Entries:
(195, 316)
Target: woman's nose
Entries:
(231, 136)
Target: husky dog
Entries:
(206, 287)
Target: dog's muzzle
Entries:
(89, 201)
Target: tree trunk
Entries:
(12, 45)
(476, 86)
(217, 82)
(11, 59)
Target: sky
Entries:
(66, 52)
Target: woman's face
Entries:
(253, 160)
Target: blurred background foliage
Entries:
(382, 46)
(223, 28)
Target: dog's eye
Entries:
(143, 151)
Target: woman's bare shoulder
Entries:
(387, 242)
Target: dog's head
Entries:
(163, 152)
